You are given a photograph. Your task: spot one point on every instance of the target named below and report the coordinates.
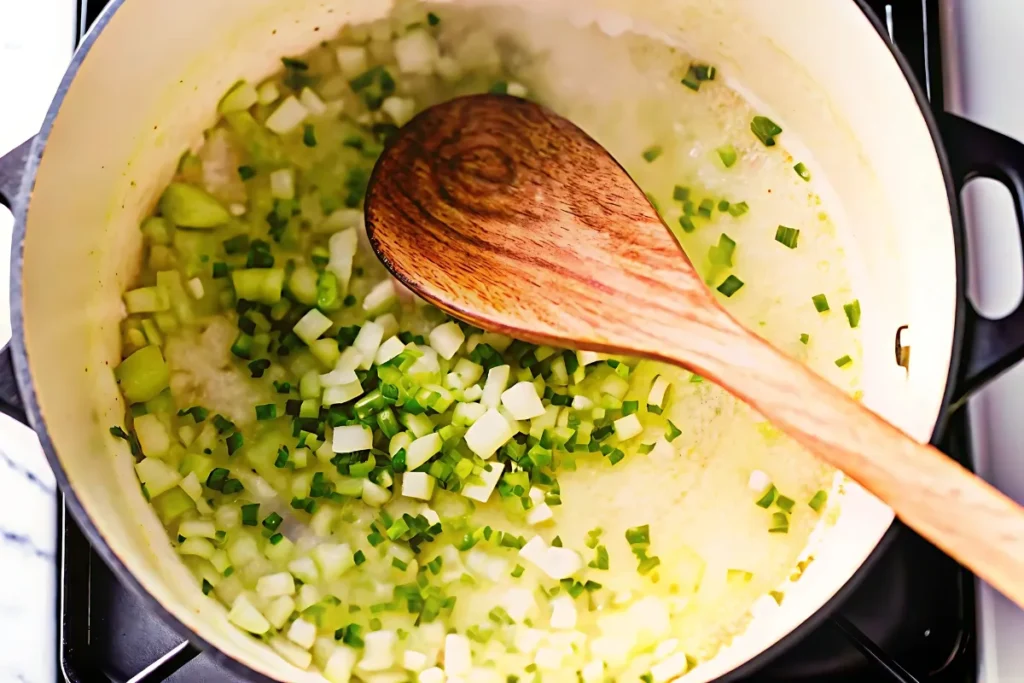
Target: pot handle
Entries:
(990, 346)
(12, 171)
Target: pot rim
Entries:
(120, 570)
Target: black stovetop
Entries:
(908, 617)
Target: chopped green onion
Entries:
(266, 411)
(518, 571)
(704, 72)
(817, 502)
(843, 361)
(779, 523)
(276, 538)
(246, 172)
(802, 171)
(309, 135)
(804, 338)
(250, 514)
(639, 535)
(777, 596)
(671, 431)
(652, 153)
(686, 224)
(738, 209)
(234, 442)
(359, 557)
(273, 521)
(433, 19)
(680, 193)
(207, 587)
(730, 286)
(853, 312)
(706, 207)
(766, 500)
(647, 564)
(820, 303)
(723, 205)
(765, 129)
(727, 153)
(785, 503)
(787, 236)
(721, 255)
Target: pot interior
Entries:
(149, 84)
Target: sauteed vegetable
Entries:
(382, 492)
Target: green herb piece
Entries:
(738, 209)
(207, 587)
(671, 431)
(843, 362)
(818, 500)
(785, 503)
(730, 286)
(433, 19)
(787, 236)
(518, 571)
(721, 255)
(680, 193)
(250, 514)
(705, 207)
(804, 338)
(246, 172)
(765, 129)
(766, 500)
(652, 153)
(639, 535)
(359, 557)
(802, 171)
(686, 223)
(309, 135)
(779, 523)
(852, 310)
(820, 303)
(727, 153)
(272, 521)
(234, 442)
(267, 411)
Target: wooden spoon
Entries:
(506, 215)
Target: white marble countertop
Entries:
(36, 39)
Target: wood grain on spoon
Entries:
(508, 216)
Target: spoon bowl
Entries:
(506, 215)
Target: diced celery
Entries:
(157, 230)
(143, 375)
(146, 300)
(172, 504)
(192, 207)
(241, 96)
(258, 284)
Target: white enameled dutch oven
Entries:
(145, 84)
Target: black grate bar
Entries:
(161, 669)
(874, 654)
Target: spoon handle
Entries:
(957, 511)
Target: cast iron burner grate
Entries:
(908, 619)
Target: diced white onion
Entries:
(563, 613)
(367, 342)
(458, 657)
(656, 396)
(422, 449)
(312, 325)
(482, 492)
(352, 438)
(497, 380)
(758, 481)
(418, 485)
(416, 52)
(312, 102)
(539, 514)
(446, 339)
(378, 651)
(380, 297)
(302, 633)
(351, 59)
(627, 427)
(288, 116)
(273, 585)
(388, 350)
(489, 433)
(522, 401)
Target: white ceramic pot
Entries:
(145, 83)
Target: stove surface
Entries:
(908, 617)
